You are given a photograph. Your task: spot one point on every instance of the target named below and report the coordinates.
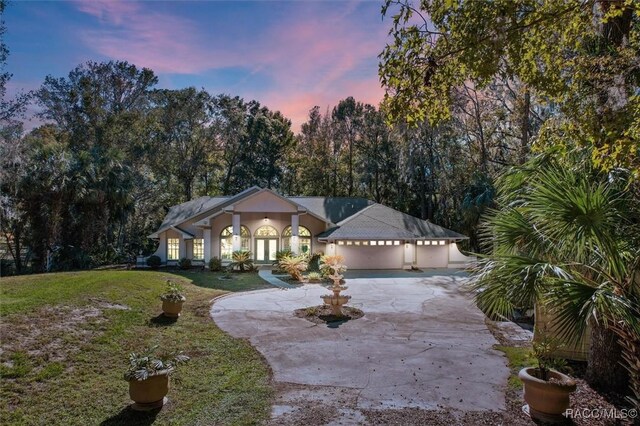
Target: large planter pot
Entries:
(149, 394)
(547, 400)
(172, 309)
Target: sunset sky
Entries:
(289, 55)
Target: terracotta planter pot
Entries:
(172, 309)
(150, 393)
(547, 400)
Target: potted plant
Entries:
(546, 391)
(172, 300)
(148, 377)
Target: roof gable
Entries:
(182, 212)
(378, 221)
(266, 200)
(333, 209)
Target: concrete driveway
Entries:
(421, 344)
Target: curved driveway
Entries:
(422, 343)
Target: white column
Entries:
(295, 241)
(235, 221)
(206, 235)
(162, 247)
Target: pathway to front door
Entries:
(266, 249)
(422, 344)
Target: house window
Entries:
(266, 231)
(226, 241)
(173, 249)
(304, 239)
(198, 249)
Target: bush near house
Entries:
(242, 261)
(184, 263)
(215, 264)
(154, 262)
(294, 266)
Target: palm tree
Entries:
(567, 238)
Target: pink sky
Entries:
(309, 53)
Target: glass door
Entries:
(266, 249)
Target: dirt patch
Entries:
(414, 416)
(322, 314)
(46, 332)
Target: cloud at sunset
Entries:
(289, 55)
(311, 54)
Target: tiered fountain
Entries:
(336, 300)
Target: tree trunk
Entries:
(605, 370)
(525, 126)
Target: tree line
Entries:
(86, 188)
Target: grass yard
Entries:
(65, 339)
(235, 281)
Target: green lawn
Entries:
(65, 339)
(519, 357)
(238, 281)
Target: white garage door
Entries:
(432, 256)
(367, 257)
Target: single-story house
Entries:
(369, 235)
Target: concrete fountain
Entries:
(336, 300)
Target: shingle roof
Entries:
(378, 221)
(332, 209)
(181, 212)
(355, 218)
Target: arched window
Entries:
(266, 231)
(304, 239)
(226, 241)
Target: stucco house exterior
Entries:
(369, 235)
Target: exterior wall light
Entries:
(266, 219)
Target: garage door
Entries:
(432, 256)
(367, 257)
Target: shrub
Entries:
(294, 265)
(154, 261)
(314, 276)
(314, 261)
(241, 260)
(332, 263)
(184, 263)
(173, 292)
(215, 264)
(281, 254)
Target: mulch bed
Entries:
(322, 314)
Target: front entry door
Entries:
(266, 249)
